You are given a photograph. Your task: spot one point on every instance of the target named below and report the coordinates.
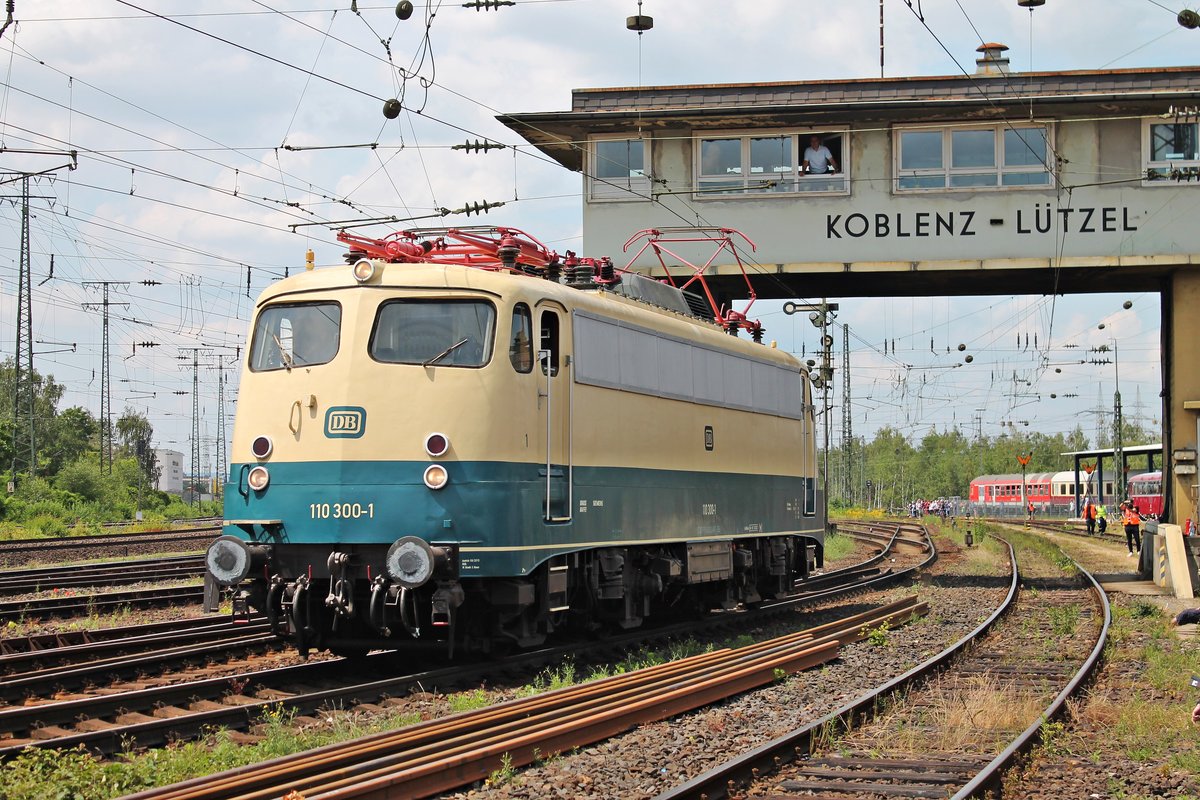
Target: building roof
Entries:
(1141, 91)
(1107, 452)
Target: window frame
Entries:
(798, 141)
(489, 340)
(521, 309)
(609, 190)
(549, 340)
(1164, 166)
(254, 341)
(948, 171)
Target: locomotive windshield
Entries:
(452, 333)
(298, 335)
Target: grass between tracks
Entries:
(76, 775)
(1133, 727)
(838, 547)
(976, 713)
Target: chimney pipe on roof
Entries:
(992, 61)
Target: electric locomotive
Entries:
(461, 437)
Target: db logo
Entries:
(345, 422)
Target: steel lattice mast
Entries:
(847, 432)
(196, 425)
(106, 429)
(222, 455)
(24, 450)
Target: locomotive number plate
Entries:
(341, 510)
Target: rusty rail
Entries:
(441, 755)
(722, 780)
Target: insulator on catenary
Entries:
(479, 208)
(478, 146)
(488, 5)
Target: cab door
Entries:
(555, 400)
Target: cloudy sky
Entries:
(206, 130)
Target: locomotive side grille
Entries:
(698, 305)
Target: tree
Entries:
(134, 433)
(46, 397)
(69, 437)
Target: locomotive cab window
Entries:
(295, 335)
(447, 333)
(550, 341)
(520, 340)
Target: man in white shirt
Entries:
(817, 158)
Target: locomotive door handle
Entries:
(241, 481)
(297, 415)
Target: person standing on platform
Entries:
(1089, 515)
(1133, 524)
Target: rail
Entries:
(990, 775)
(440, 755)
(730, 776)
(852, 580)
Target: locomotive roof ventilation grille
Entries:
(648, 290)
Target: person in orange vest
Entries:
(1030, 509)
(1133, 523)
(1089, 516)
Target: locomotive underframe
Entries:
(342, 599)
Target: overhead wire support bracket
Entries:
(488, 5)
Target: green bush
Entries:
(48, 526)
(82, 478)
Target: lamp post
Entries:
(821, 316)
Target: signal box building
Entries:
(999, 182)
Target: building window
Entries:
(774, 164)
(996, 156)
(619, 169)
(1171, 152)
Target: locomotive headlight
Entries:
(258, 478)
(364, 270)
(436, 476)
(411, 561)
(436, 444)
(261, 447)
(228, 559)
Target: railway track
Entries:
(47, 643)
(109, 573)
(149, 716)
(86, 604)
(19, 551)
(439, 755)
(48, 672)
(1016, 656)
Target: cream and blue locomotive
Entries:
(461, 438)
